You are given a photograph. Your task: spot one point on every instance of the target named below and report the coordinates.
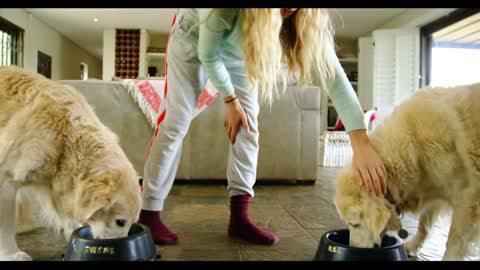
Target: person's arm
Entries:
(366, 161)
(209, 43)
(345, 100)
(347, 106)
(210, 38)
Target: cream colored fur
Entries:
(56, 153)
(431, 149)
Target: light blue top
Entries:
(222, 30)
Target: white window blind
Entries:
(11, 44)
(396, 67)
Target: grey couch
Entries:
(289, 133)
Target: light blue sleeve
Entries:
(210, 39)
(345, 100)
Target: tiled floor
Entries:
(298, 214)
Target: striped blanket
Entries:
(150, 97)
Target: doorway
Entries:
(83, 71)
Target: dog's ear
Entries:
(95, 194)
(380, 217)
(394, 223)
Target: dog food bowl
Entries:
(334, 246)
(137, 246)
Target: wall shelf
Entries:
(152, 56)
(127, 53)
(348, 60)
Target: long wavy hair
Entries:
(304, 41)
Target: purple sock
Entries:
(241, 226)
(161, 234)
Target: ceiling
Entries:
(78, 24)
(356, 22)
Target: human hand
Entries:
(367, 164)
(235, 117)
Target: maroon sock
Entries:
(161, 234)
(241, 225)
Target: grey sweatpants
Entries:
(186, 78)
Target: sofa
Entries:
(289, 133)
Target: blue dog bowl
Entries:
(334, 246)
(137, 246)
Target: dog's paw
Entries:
(17, 256)
(412, 247)
(21, 256)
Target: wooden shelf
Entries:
(152, 56)
(127, 49)
(354, 82)
(348, 60)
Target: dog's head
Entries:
(109, 202)
(367, 217)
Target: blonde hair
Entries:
(263, 50)
(304, 40)
(308, 46)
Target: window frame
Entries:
(17, 43)
(426, 32)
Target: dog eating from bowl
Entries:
(430, 146)
(57, 159)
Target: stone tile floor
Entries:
(298, 214)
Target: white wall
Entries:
(365, 72)
(144, 43)
(108, 54)
(66, 55)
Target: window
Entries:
(451, 49)
(11, 44)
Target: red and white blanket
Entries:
(150, 97)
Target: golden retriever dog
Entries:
(430, 146)
(55, 152)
